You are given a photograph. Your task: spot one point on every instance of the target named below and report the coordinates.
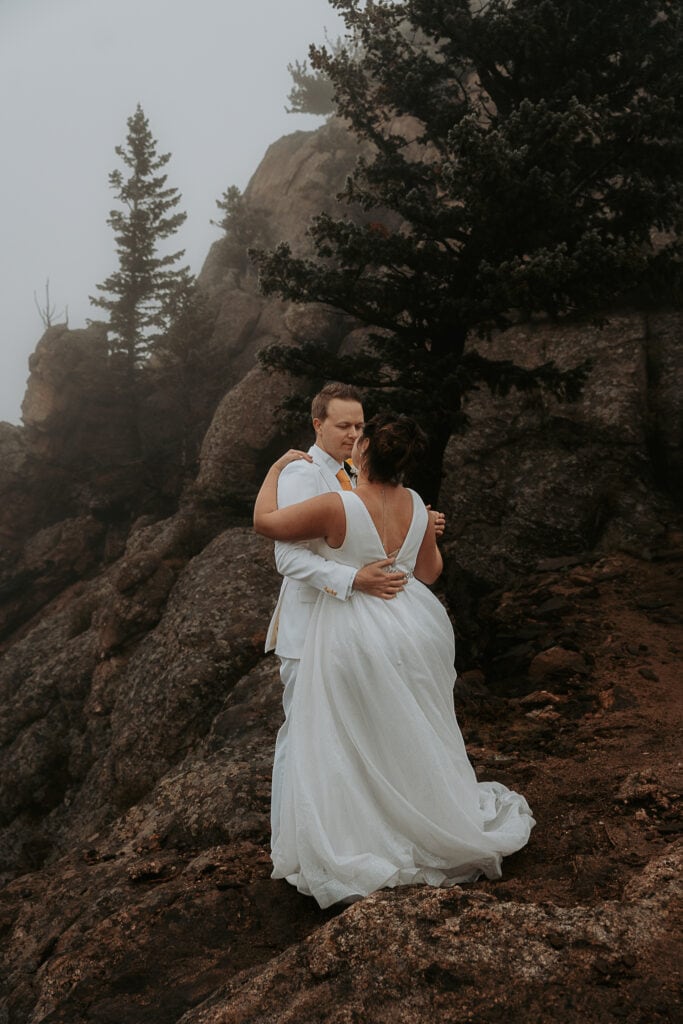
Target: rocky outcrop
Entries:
(249, 429)
(14, 506)
(77, 414)
(121, 677)
(64, 368)
(298, 178)
(138, 712)
(140, 772)
(533, 478)
(245, 431)
(49, 562)
(406, 958)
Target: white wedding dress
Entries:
(378, 790)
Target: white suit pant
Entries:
(289, 668)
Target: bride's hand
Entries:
(293, 455)
(439, 520)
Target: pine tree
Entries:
(543, 153)
(244, 226)
(139, 295)
(311, 92)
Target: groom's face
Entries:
(337, 433)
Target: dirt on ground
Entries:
(595, 741)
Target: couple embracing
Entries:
(372, 786)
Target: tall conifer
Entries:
(139, 296)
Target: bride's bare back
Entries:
(391, 510)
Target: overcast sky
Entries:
(211, 76)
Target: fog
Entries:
(212, 78)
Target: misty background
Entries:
(211, 76)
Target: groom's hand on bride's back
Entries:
(377, 579)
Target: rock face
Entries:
(61, 368)
(13, 466)
(244, 436)
(424, 955)
(299, 177)
(138, 711)
(85, 692)
(247, 431)
(141, 715)
(76, 417)
(533, 477)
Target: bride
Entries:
(378, 789)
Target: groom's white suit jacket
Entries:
(306, 572)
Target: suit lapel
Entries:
(326, 473)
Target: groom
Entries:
(337, 416)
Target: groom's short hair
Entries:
(347, 392)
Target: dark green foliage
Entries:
(540, 149)
(140, 295)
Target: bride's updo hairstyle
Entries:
(395, 446)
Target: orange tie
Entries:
(343, 478)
